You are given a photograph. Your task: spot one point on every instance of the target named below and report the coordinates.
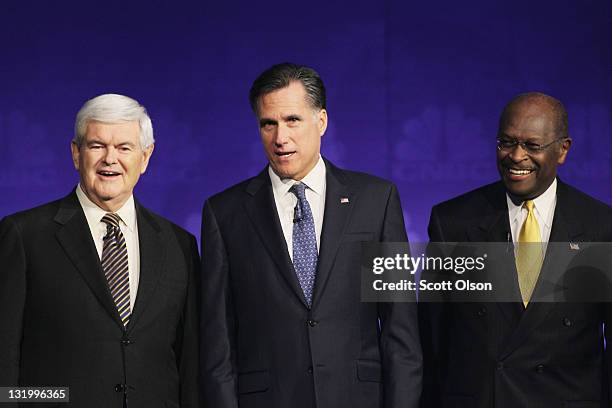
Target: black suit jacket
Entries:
(262, 346)
(499, 354)
(59, 324)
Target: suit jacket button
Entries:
(500, 365)
(482, 311)
(540, 368)
(567, 322)
(118, 387)
(312, 323)
(126, 342)
(309, 370)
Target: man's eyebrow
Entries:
(266, 121)
(292, 116)
(526, 139)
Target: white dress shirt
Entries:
(544, 209)
(129, 228)
(286, 200)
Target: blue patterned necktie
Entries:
(115, 265)
(304, 242)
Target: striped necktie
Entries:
(529, 253)
(115, 265)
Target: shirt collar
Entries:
(94, 214)
(314, 180)
(544, 204)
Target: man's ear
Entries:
(75, 154)
(564, 149)
(146, 156)
(322, 121)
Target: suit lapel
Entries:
(495, 227)
(75, 238)
(512, 311)
(261, 209)
(562, 231)
(152, 257)
(335, 217)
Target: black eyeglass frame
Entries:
(526, 146)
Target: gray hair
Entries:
(113, 108)
(282, 75)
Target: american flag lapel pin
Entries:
(574, 246)
(344, 200)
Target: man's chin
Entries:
(107, 195)
(284, 172)
(516, 190)
(521, 194)
(109, 201)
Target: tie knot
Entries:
(529, 205)
(299, 189)
(111, 219)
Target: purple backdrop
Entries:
(414, 90)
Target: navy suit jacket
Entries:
(262, 346)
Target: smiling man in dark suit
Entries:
(282, 320)
(97, 293)
(532, 352)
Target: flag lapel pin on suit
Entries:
(344, 200)
(574, 246)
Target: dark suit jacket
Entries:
(59, 324)
(499, 354)
(262, 346)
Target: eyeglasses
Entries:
(529, 147)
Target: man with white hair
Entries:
(97, 293)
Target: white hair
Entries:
(113, 108)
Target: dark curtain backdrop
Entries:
(414, 89)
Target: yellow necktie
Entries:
(529, 253)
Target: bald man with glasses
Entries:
(529, 352)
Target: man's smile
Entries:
(108, 174)
(516, 173)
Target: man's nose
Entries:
(111, 155)
(518, 154)
(281, 136)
